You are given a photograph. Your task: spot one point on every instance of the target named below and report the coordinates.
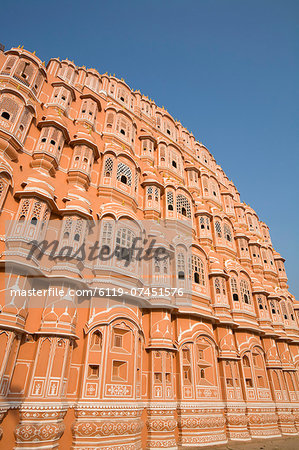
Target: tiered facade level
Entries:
(83, 148)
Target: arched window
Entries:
(183, 206)
(276, 381)
(234, 286)
(36, 213)
(245, 361)
(169, 201)
(149, 193)
(106, 234)
(249, 220)
(110, 120)
(4, 186)
(284, 310)
(227, 233)
(245, 293)
(156, 194)
(260, 303)
(72, 229)
(215, 189)
(218, 229)
(162, 154)
(198, 270)
(9, 108)
(290, 308)
(108, 168)
(217, 286)
(96, 340)
(9, 64)
(181, 266)
(124, 174)
(273, 309)
(24, 210)
(124, 237)
(5, 115)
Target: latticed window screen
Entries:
(36, 210)
(250, 223)
(2, 190)
(205, 158)
(270, 257)
(218, 228)
(205, 185)
(108, 167)
(44, 134)
(124, 170)
(256, 224)
(157, 265)
(170, 200)
(25, 118)
(4, 185)
(217, 286)
(234, 287)
(10, 106)
(67, 227)
(214, 189)
(204, 223)
(124, 237)
(45, 216)
(79, 226)
(245, 293)
(162, 153)
(198, 270)
(272, 306)
(156, 194)
(160, 267)
(136, 182)
(227, 232)
(10, 62)
(183, 206)
(149, 192)
(181, 265)
(284, 310)
(223, 287)
(38, 81)
(110, 120)
(107, 233)
(260, 303)
(291, 311)
(24, 210)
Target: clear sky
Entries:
(227, 69)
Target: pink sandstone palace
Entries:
(85, 150)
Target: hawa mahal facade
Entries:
(81, 149)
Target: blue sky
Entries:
(227, 69)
